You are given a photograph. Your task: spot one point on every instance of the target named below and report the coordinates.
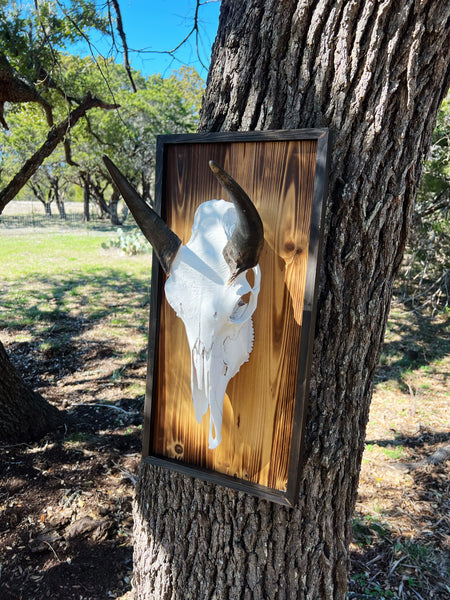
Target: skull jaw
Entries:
(212, 370)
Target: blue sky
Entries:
(160, 25)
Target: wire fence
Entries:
(36, 220)
(27, 214)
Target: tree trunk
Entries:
(40, 195)
(110, 208)
(24, 414)
(86, 196)
(146, 187)
(375, 74)
(58, 199)
(113, 208)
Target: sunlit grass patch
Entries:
(63, 294)
(390, 452)
(412, 384)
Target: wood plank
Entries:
(258, 407)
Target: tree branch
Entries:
(439, 202)
(54, 137)
(15, 88)
(195, 29)
(122, 35)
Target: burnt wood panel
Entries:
(279, 176)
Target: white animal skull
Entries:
(216, 308)
(217, 320)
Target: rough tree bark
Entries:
(375, 73)
(24, 414)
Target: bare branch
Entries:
(124, 43)
(91, 46)
(68, 153)
(36, 6)
(439, 202)
(195, 30)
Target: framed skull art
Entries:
(236, 234)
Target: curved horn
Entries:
(164, 241)
(242, 250)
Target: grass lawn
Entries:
(51, 280)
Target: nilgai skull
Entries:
(207, 285)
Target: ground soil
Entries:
(65, 502)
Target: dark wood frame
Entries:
(309, 310)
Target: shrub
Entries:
(131, 242)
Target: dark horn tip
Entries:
(109, 165)
(164, 241)
(223, 177)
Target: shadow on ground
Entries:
(413, 343)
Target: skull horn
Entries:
(245, 244)
(164, 241)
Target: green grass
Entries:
(50, 254)
(65, 297)
(48, 279)
(394, 453)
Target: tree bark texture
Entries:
(375, 73)
(24, 414)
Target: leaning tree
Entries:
(375, 73)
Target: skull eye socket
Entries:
(241, 312)
(250, 276)
(245, 306)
